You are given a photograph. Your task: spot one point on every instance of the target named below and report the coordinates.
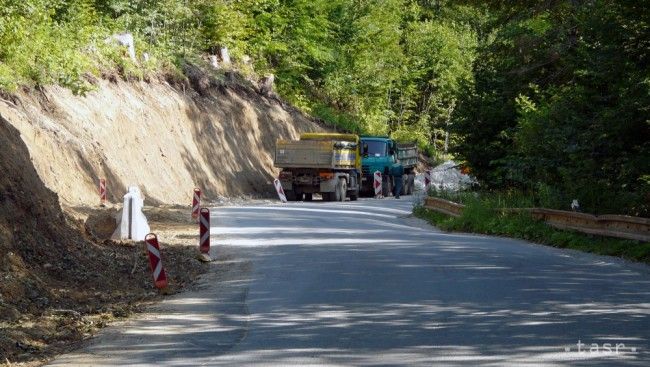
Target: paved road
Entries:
(363, 284)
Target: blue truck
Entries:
(381, 153)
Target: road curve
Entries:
(362, 283)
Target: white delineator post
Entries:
(225, 56)
(102, 191)
(377, 185)
(280, 190)
(196, 203)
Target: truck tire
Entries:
(386, 187)
(412, 186)
(309, 196)
(290, 195)
(341, 190)
(354, 195)
(407, 185)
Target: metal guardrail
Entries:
(444, 206)
(620, 226)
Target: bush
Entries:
(481, 215)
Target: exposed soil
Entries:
(60, 277)
(213, 130)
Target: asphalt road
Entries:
(363, 284)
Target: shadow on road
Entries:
(352, 284)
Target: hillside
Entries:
(166, 139)
(61, 280)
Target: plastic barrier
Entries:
(204, 231)
(280, 190)
(131, 222)
(196, 203)
(377, 185)
(155, 261)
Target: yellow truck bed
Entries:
(319, 150)
(328, 153)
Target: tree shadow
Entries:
(364, 287)
(246, 124)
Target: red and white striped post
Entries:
(155, 261)
(196, 203)
(204, 231)
(102, 191)
(377, 185)
(280, 190)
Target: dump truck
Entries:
(407, 153)
(320, 163)
(381, 153)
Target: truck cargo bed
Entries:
(407, 153)
(314, 154)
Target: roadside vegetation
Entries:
(482, 215)
(547, 98)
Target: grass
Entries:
(479, 216)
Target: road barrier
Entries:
(280, 190)
(102, 191)
(377, 185)
(444, 206)
(620, 226)
(133, 223)
(155, 261)
(204, 231)
(196, 203)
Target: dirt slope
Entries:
(210, 132)
(58, 282)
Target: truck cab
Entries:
(381, 153)
(378, 153)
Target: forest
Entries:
(548, 98)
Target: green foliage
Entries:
(560, 101)
(551, 99)
(481, 216)
(40, 44)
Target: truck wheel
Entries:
(291, 196)
(354, 195)
(386, 187)
(341, 190)
(308, 196)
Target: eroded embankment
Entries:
(58, 281)
(210, 133)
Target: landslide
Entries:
(58, 284)
(59, 279)
(210, 129)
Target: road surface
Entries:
(362, 283)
